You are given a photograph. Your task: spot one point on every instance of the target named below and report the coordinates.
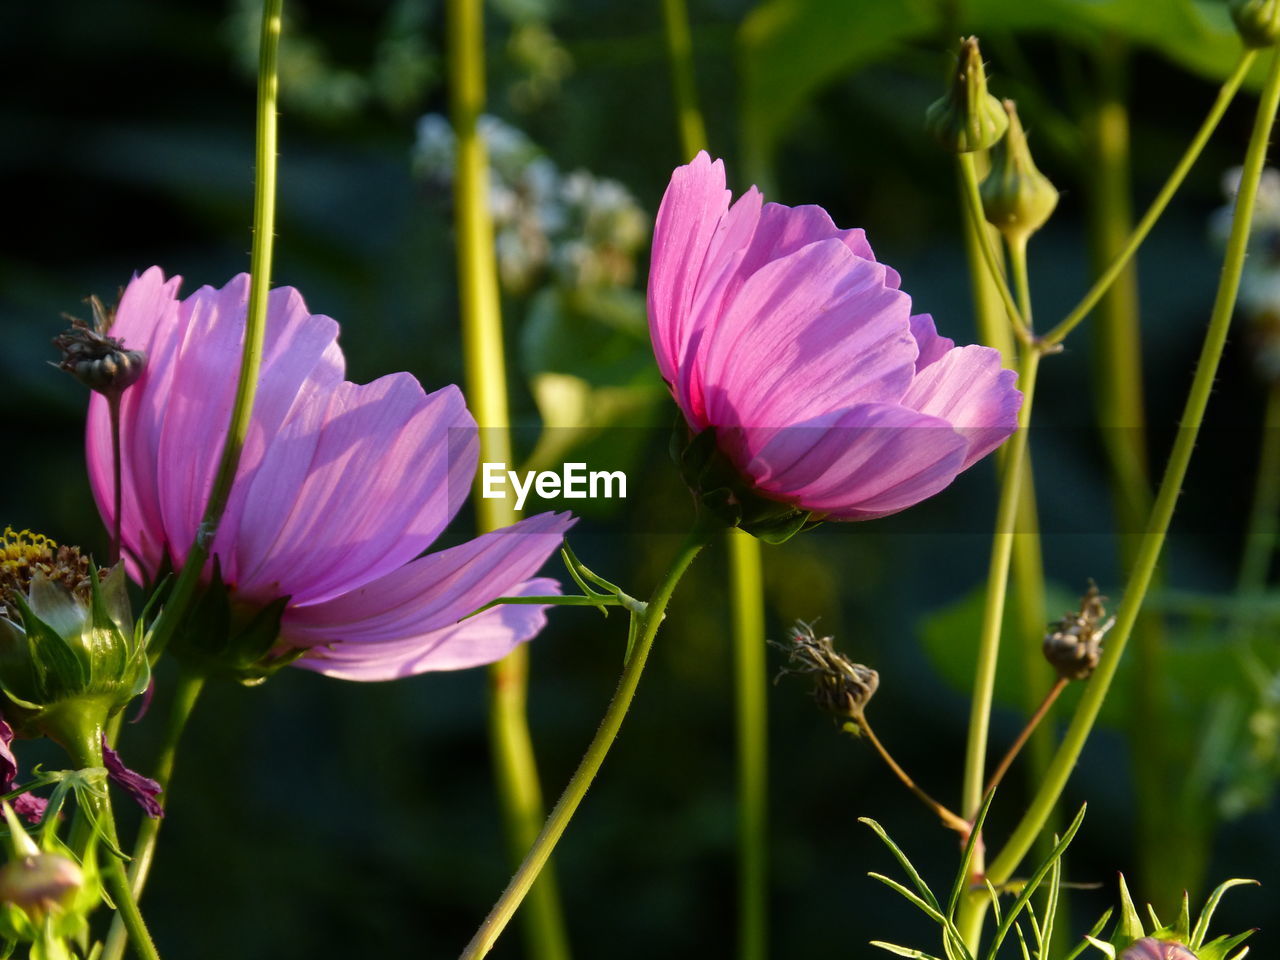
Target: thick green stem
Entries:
(1260, 539)
(85, 751)
(980, 236)
(515, 768)
(1226, 93)
(747, 595)
(1157, 528)
(264, 217)
(186, 691)
(997, 586)
(607, 732)
(693, 132)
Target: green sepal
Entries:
(235, 642)
(56, 667)
(1220, 948)
(722, 490)
(1129, 925)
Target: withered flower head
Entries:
(841, 687)
(98, 360)
(1074, 644)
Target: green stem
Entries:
(1162, 513)
(1226, 93)
(997, 587)
(1260, 542)
(567, 805)
(978, 225)
(186, 691)
(515, 767)
(693, 132)
(85, 751)
(747, 595)
(264, 215)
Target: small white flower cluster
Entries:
(1260, 282)
(582, 230)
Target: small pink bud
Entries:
(1149, 948)
(41, 883)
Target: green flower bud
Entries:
(70, 654)
(1016, 197)
(1258, 21)
(45, 895)
(967, 118)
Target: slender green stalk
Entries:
(264, 217)
(1003, 866)
(85, 751)
(515, 767)
(693, 132)
(567, 805)
(1226, 93)
(186, 691)
(981, 236)
(747, 595)
(997, 587)
(1260, 542)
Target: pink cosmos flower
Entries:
(340, 488)
(783, 333)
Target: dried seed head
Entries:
(841, 687)
(97, 360)
(1074, 644)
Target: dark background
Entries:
(312, 817)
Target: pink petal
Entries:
(432, 592)
(814, 331)
(475, 641)
(358, 481)
(870, 460)
(933, 347)
(691, 209)
(970, 390)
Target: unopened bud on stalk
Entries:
(97, 360)
(968, 118)
(1149, 948)
(44, 892)
(1074, 644)
(1017, 198)
(1258, 21)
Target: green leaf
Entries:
(1206, 915)
(903, 951)
(901, 857)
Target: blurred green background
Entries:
(312, 817)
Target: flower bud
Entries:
(70, 655)
(967, 118)
(97, 360)
(1258, 21)
(1149, 948)
(43, 891)
(1016, 197)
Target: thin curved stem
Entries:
(1032, 723)
(580, 782)
(186, 692)
(973, 210)
(1095, 692)
(1226, 93)
(950, 819)
(484, 358)
(117, 494)
(264, 217)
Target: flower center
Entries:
(24, 553)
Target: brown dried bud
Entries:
(1074, 644)
(1149, 948)
(841, 687)
(97, 360)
